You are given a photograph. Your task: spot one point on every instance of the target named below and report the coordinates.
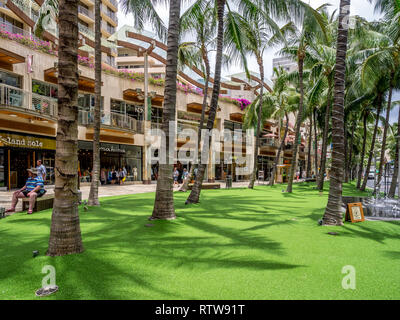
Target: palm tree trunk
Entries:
(371, 151)
(316, 143)
(360, 171)
(346, 163)
(299, 119)
(385, 130)
(308, 171)
(350, 166)
(195, 193)
(394, 182)
(164, 201)
(278, 155)
(185, 184)
(259, 123)
(322, 168)
(333, 212)
(94, 186)
(65, 232)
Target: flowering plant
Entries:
(27, 40)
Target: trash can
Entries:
(228, 181)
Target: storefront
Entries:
(112, 157)
(266, 164)
(19, 152)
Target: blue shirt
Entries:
(41, 171)
(32, 183)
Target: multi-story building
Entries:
(286, 63)
(129, 59)
(28, 111)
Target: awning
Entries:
(137, 96)
(84, 83)
(7, 58)
(236, 117)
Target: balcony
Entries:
(112, 119)
(24, 101)
(86, 12)
(269, 143)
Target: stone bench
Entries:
(42, 203)
(207, 185)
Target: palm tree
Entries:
(195, 193)
(394, 183)
(258, 32)
(202, 21)
(65, 232)
(384, 60)
(381, 88)
(333, 211)
(164, 200)
(313, 27)
(94, 186)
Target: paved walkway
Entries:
(106, 191)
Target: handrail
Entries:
(17, 98)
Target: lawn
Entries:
(236, 244)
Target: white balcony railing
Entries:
(12, 97)
(85, 12)
(112, 119)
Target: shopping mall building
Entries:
(132, 101)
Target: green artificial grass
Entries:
(236, 244)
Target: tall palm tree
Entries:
(313, 26)
(333, 211)
(94, 186)
(195, 193)
(381, 88)
(164, 200)
(202, 20)
(65, 232)
(394, 183)
(258, 32)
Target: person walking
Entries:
(41, 169)
(176, 175)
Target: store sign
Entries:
(18, 141)
(111, 148)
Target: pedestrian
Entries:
(103, 176)
(185, 174)
(41, 169)
(121, 176)
(176, 175)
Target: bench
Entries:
(310, 180)
(207, 185)
(42, 203)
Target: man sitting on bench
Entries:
(34, 187)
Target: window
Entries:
(122, 107)
(44, 89)
(86, 101)
(156, 115)
(10, 79)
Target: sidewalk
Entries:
(106, 191)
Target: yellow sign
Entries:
(18, 141)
